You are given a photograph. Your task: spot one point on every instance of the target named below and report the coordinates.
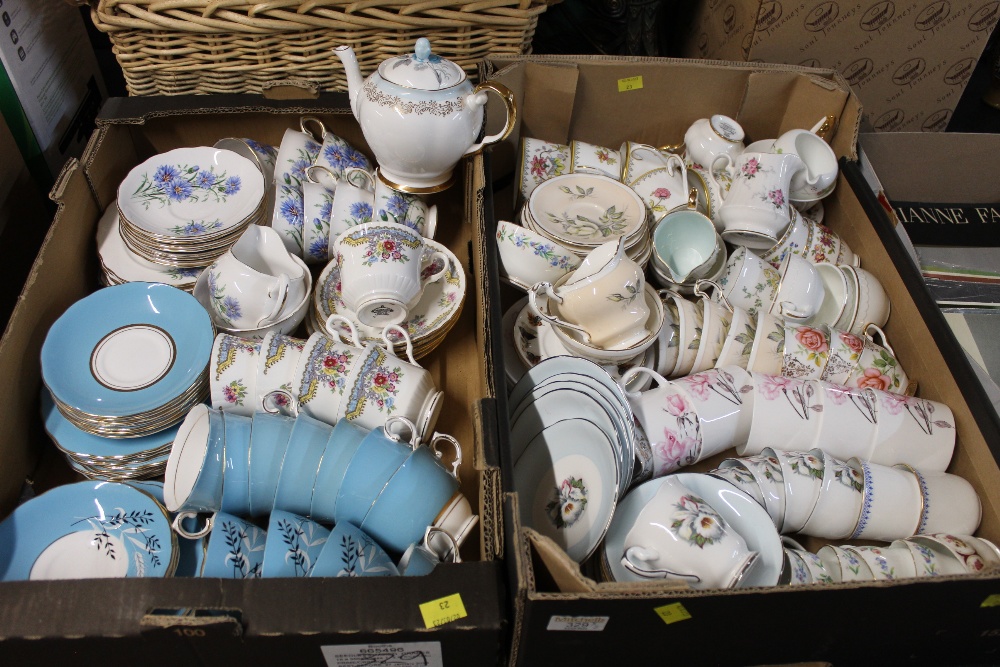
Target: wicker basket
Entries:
(175, 47)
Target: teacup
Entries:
(927, 561)
(738, 344)
(233, 374)
(716, 319)
(665, 188)
(352, 206)
(298, 151)
(236, 464)
(844, 564)
(807, 350)
(194, 472)
(959, 554)
(269, 434)
(768, 347)
(668, 340)
(723, 402)
(340, 157)
(235, 547)
(892, 503)
(539, 161)
(659, 544)
(749, 282)
(755, 210)
(814, 566)
(915, 431)
(288, 216)
(340, 449)
(669, 419)
(320, 375)
(685, 245)
(262, 155)
(787, 414)
(601, 302)
(640, 159)
(414, 495)
(736, 472)
(708, 138)
(404, 209)
(317, 204)
(948, 503)
(689, 323)
(766, 470)
(527, 257)
(420, 559)
(838, 504)
(877, 366)
(819, 177)
(834, 303)
(349, 552)
(850, 419)
(380, 271)
(796, 240)
(871, 305)
(593, 159)
(295, 545)
(887, 563)
(276, 363)
(803, 475)
(300, 464)
(800, 290)
(845, 351)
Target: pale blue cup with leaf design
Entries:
(235, 547)
(340, 449)
(350, 552)
(414, 496)
(236, 464)
(268, 441)
(293, 546)
(378, 457)
(306, 444)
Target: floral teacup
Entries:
(233, 374)
(527, 257)
(539, 161)
(807, 350)
(595, 160)
(877, 366)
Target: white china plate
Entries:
(127, 349)
(87, 530)
(740, 511)
(187, 193)
(586, 209)
(567, 481)
(438, 307)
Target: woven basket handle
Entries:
(510, 108)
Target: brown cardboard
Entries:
(908, 61)
(915, 619)
(258, 621)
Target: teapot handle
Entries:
(511, 109)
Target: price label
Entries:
(672, 613)
(578, 623)
(630, 83)
(443, 610)
(991, 601)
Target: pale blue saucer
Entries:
(88, 530)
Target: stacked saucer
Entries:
(582, 211)
(120, 265)
(574, 450)
(427, 323)
(185, 207)
(129, 360)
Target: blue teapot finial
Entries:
(422, 50)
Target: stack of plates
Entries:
(186, 207)
(427, 323)
(120, 265)
(582, 211)
(129, 360)
(574, 448)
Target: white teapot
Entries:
(420, 115)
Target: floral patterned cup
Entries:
(736, 472)
(844, 565)
(877, 366)
(663, 189)
(755, 210)
(766, 469)
(890, 508)
(352, 206)
(911, 430)
(233, 374)
(320, 375)
(787, 414)
(930, 559)
(288, 218)
(958, 554)
(803, 476)
(404, 209)
(678, 535)
(539, 161)
(723, 402)
(595, 160)
(807, 350)
(749, 282)
(714, 329)
(317, 205)
(767, 349)
(260, 154)
(340, 157)
(527, 257)
(885, 563)
(838, 504)
(845, 351)
(296, 153)
(739, 340)
(850, 420)
(276, 363)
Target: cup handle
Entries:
(413, 439)
(280, 402)
(431, 530)
(636, 370)
(279, 303)
(335, 333)
(702, 286)
(824, 126)
(675, 162)
(443, 271)
(510, 107)
(787, 310)
(358, 170)
(644, 555)
(430, 225)
(546, 288)
(321, 169)
(723, 190)
(390, 346)
(437, 437)
(869, 328)
(178, 525)
(306, 120)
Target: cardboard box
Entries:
(562, 613)
(254, 622)
(908, 61)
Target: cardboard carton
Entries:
(907, 61)
(254, 622)
(563, 613)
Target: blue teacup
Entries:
(235, 547)
(268, 441)
(419, 559)
(348, 552)
(236, 465)
(193, 477)
(340, 449)
(293, 546)
(378, 457)
(413, 497)
(300, 465)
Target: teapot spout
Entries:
(353, 71)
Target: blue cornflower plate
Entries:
(191, 192)
(129, 358)
(567, 482)
(744, 514)
(94, 529)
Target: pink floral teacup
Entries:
(845, 352)
(787, 414)
(807, 351)
(877, 366)
(670, 421)
(592, 159)
(915, 431)
(723, 401)
(755, 211)
(539, 161)
(233, 374)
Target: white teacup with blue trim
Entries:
(193, 477)
(420, 559)
(294, 545)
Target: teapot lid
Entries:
(421, 70)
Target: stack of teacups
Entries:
(321, 377)
(185, 207)
(256, 286)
